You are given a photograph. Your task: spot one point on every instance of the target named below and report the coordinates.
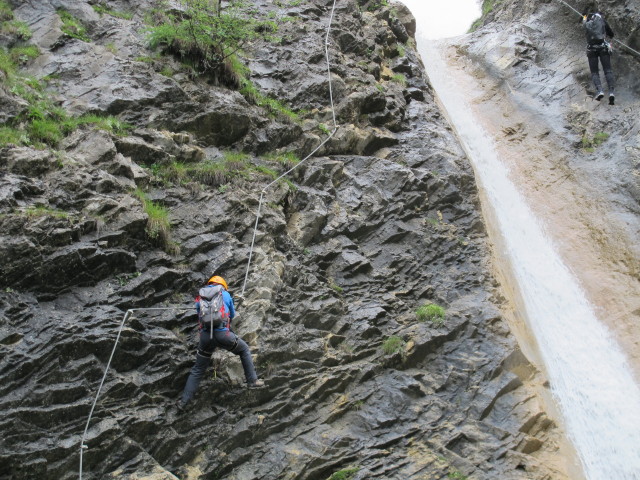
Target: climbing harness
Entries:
(83, 446)
(614, 39)
(335, 129)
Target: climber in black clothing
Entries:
(597, 30)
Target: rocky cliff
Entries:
(577, 160)
(383, 220)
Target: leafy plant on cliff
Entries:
(431, 312)
(204, 34)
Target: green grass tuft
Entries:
(72, 26)
(344, 474)
(104, 10)
(158, 224)
(431, 312)
(392, 345)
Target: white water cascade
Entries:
(589, 376)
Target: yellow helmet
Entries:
(218, 280)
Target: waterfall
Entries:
(588, 373)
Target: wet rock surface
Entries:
(576, 159)
(385, 220)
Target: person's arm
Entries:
(608, 30)
(228, 300)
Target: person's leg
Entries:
(234, 344)
(595, 71)
(203, 358)
(605, 59)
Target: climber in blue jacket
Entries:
(221, 336)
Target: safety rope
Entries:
(614, 39)
(335, 129)
(128, 313)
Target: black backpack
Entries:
(595, 29)
(212, 308)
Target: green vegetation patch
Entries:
(431, 312)
(487, 7)
(205, 34)
(72, 26)
(399, 78)
(104, 10)
(344, 474)
(286, 160)
(41, 211)
(158, 224)
(233, 166)
(393, 344)
(456, 475)
(42, 123)
(589, 143)
(275, 107)
(9, 25)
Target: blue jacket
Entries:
(228, 303)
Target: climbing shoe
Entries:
(181, 406)
(600, 96)
(257, 384)
(612, 99)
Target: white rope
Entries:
(614, 39)
(335, 129)
(83, 446)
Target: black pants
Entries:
(223, 339)
(605, 59)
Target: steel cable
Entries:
(335, 129)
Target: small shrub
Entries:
(72, 26)
(392, 345)
(345, 474)
(432, 312)
(206, 35)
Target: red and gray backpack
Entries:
(212, 308)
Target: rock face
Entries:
(576, 159)
(385, 220)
